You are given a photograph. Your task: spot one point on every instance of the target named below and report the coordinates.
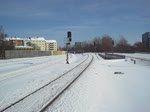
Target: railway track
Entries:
(29, 69)
(97, 56)
(23, 71)
(19, 61)
(47, 94)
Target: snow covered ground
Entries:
(98, 89)
(14, 88)
(137, 55)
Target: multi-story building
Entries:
(146, 39)
(14, 41)
(38, 43)
(78, 45)
(51, 45)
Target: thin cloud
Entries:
(77, 27)
(56, 17)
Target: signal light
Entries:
(112, 42)
(94, 44)
(70, 39)
(69, 34)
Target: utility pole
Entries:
(95, 47)
(112, 46)
(3, 49)
(69, 39)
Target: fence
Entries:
(29, 53)
(111, 56)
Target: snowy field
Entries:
(98, 89)
(137, 55)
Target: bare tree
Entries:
(123, 46)
(139, 47)
(107, 43)
(122, 41)
(2, 34)
(98, 44)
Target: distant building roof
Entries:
(23, 47)
(37, 38)
(51, 41)
(13, 38)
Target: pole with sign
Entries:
(69, 39)
(112, 46)
(95, 47)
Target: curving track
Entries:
(24, 60)
(29, 69)
(47, 94)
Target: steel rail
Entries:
(27, 60)
(16, 102)
(28, 70)
(97, 56)
(64, 89)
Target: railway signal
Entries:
(95, 47)
(112, 46)
(69, 39)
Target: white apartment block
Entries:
(38, 43)
(51, 45)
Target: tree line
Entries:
(3, 46)
(107, 44)
(98, 44)
(2, 34)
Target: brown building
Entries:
(14, 41)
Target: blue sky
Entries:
(86, 19)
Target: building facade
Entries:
(51, 45)
(146, 39)
(14, 41)
(78, 45)
(31, 43)
(38, 43)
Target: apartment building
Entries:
(146, 39)
(51, 45)
(14, 41)
(38, 43)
